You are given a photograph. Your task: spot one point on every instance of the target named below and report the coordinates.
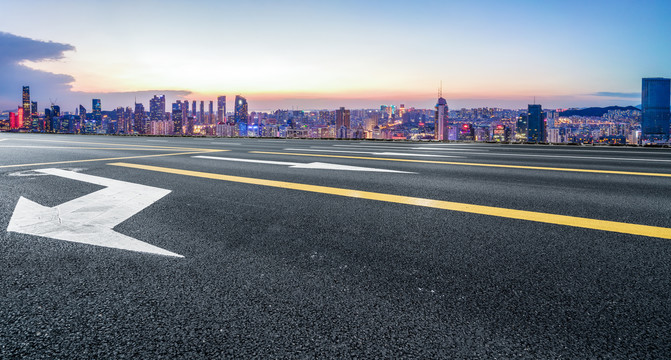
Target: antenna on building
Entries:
(534, 100)
(440, 90)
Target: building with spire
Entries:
(441, 128)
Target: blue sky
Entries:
(283, 54)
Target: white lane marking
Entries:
(33, 173)
(224, 143)
(559, 156)
(158, 140)
(404, 148)
(3, 139)
(89, 219)
(313, 165)
(376, 153)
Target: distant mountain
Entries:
(595, 111)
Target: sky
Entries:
(317, 54)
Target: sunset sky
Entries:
(311, 54)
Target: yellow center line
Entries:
(604, 225)
(474, 164)
(108, 159)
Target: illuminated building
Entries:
(25, 113)
(221, 109)
(655, 105)
(440, 119)
(96, 113)
(157, 108)
(522, 125)
(177, 117)
(82, 116)
(139, 121)
(193, 109)
(537, 130)
(241, 114)
(201, 115)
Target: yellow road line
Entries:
(612, 226)
(108, 159)
(474, 164)
(134, 145)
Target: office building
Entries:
(241, 114)
(221, 109)
(157, 108)
(139, 119)
(25, 116)
(96, 113)
(210, 115)
(536, 127)
(177, 117)
(655, 107)
(201, 115)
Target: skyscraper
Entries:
(139, 125)
(221, 108)
(82, 116)
(241, 114)
(342, 116)
(193, 109)
(201, 116)
(156, 109)
(536, 130)
(521, 126)
(26, 109)
(96, 113)
(655, 106)
(177, 119)
(210, 115)
(440, 119)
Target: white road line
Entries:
(558, 156)
(401, 148)
(158, 140)
(3, 139)
(376, 153)
(224, 143)
(313, 165)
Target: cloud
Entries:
(13, 75)
(617, 94)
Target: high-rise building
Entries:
(193, 109)
(221, 109)
(521, 126)
(655, 106)
(342, 117)
(440, 120)
(201, 115)
(157, 108)
(210, 115)
(26, 109)
(537, 129)
(139, 121)
(241, 114)
(82, 116)
(177, 119)
(96, 113)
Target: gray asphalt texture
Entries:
(279, 273)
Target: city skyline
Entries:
(296, 55)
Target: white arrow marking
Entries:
(90, 218)
(314, 165)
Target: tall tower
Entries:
(193, 109)
(241, 114)
(201, 116)
(210, 114)
(441, 128)
(655, 105)
(221, 109)
(536, 128)
(139, 123)
(96, 110)
(156, 109)
(26, 109)
(177, 119)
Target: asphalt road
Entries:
(302, 266)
